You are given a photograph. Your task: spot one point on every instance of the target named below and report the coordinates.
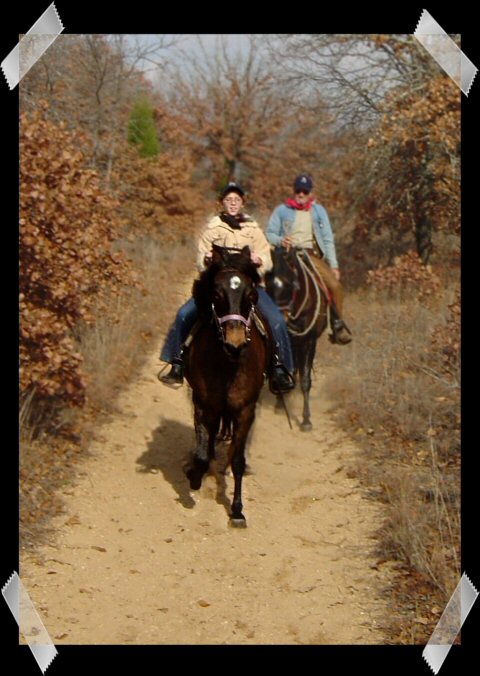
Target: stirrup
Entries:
(280, 379)
(175, 377)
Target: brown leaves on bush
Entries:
(156, 196)
(407, 272)
(67, 227)
(446, 340)
(411, 170)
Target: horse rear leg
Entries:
(305, 364)
(241, 427)
(206, 428)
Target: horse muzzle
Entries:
(234, 331)
(236, 335)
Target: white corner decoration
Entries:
(450, 623)
(32, 45)
(29, 622)
(445, 52)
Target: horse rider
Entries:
(302, 222)
(232, 228)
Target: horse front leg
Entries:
(241, 427)
(305, 373)
(206, 428)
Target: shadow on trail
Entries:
(170, 450)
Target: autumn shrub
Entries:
(67, 264)
(156, 195)
(408, 275)
(407, 183)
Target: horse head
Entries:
(282, 282)
(227, 291)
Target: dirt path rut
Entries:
(140, 559)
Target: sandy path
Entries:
(139, 560)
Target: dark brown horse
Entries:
(297, 289)
(226, 364)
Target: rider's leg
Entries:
(172, 348)
(281, 379)
(341, 333)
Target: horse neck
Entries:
(305, 303)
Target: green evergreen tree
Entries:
(141, 129)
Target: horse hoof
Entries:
(238, 522)
(306, 427)
(195, 481)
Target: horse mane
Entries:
(222, 258)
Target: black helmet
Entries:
(232, 187)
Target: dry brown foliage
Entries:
(407, 273)
(446, 339)
(407, 184)
(156, 195)
(67, 263)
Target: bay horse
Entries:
(299, 292)
(225, 364)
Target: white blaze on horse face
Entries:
(278, 282)
(235, 282)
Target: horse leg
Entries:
(206, 428)
(225, 429)
(241, 427)
(305, 372)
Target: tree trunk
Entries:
(423, 237)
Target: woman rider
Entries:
(233, 228)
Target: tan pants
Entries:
(333, 285)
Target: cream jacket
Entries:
(249, 234)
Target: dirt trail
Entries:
(141, 559)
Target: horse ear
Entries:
(217, 254)
(245, 253)
(253, 296)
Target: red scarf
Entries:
(290, 202)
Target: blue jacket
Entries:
(281, 223)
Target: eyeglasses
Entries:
(233, 200)
(302, 192)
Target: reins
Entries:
(307, 274)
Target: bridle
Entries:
(219, 321)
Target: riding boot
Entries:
(341, 334)
(280, 379)
(175, 376)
